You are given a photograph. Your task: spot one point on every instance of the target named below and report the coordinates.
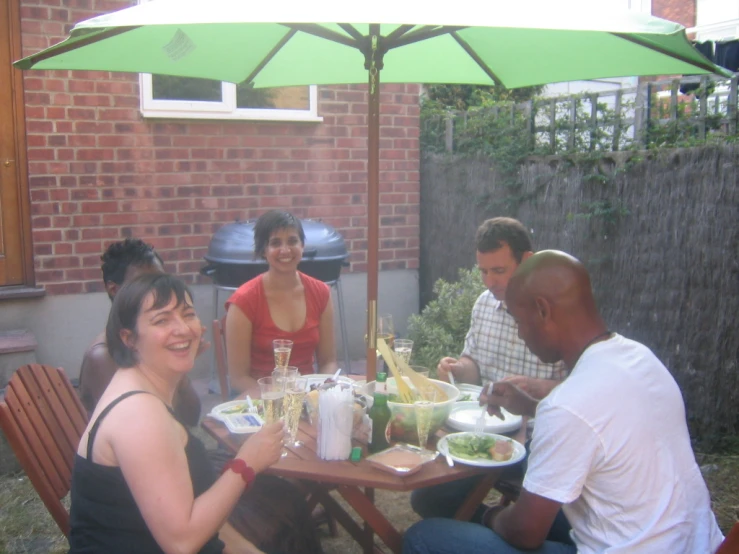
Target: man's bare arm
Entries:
(97, 370)
(526, 523)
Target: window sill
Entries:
(21, 291)
(182, 114)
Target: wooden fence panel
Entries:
(663, 259)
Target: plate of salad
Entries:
(481, 449)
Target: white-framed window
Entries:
(165, 96)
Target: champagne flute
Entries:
(403, 349)
(424, 410)
(286, 374)
(282, 349)
(386, 329)
(273, 394)
(295, 392)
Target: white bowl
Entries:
(403, 416)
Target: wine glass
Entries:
(424, 410)
(403, 349)
(282, 349)
(386, 329)
(273, 394)
(295, 392)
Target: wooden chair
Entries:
(219, 346)
(43, 420)
(731, 542)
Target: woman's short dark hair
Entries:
(496, 232)
(127, 306)
(270, 222)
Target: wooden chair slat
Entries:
(47, 387)
(38, 436)
(43, 420)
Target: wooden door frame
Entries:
(19, 117)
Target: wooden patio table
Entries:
(318, 477)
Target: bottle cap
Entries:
(356, 454)
(381, 377)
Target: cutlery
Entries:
(449, 460)
(480, 423)
(252, 407)
(451, 379)
(336, 375)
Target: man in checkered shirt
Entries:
(492, 351)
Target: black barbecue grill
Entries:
(231, 262)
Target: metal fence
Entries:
(674, 111)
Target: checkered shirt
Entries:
(493, 343)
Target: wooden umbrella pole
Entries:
(374, 63)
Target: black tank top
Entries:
(104, 517)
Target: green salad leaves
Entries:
(471, 447)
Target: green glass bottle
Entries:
(379, 414)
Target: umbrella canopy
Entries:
(294, 42)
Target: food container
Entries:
(401, 459)
(402, 427)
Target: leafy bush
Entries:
(439, 330)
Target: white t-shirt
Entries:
(611, 444)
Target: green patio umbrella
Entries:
(294, 42)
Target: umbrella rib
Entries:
(290, 34)
(423, 33)
(351, 30)
(399, 32)
(322, 32)
(708, 66)
(64, 48)
(478, 60)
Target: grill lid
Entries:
(234, 243)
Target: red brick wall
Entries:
(679, 11)
(98, 171)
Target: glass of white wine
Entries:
(273, 394)
(286, 374)
(282, 348)
(403, 349)
(386, 329)
(424, 411)
(295, 392)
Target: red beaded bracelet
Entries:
(237, 465)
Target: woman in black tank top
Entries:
(141, 482)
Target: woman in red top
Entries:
(282, 303)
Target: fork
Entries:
(480, 422)
(252, 407)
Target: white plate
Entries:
(472, 391)
(230, 407)
(237, 420)
(464, 416)
(519, 452)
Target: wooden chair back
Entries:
(731, 542)
(219, 346)
(43, 419)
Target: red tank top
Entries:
(252, 300)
